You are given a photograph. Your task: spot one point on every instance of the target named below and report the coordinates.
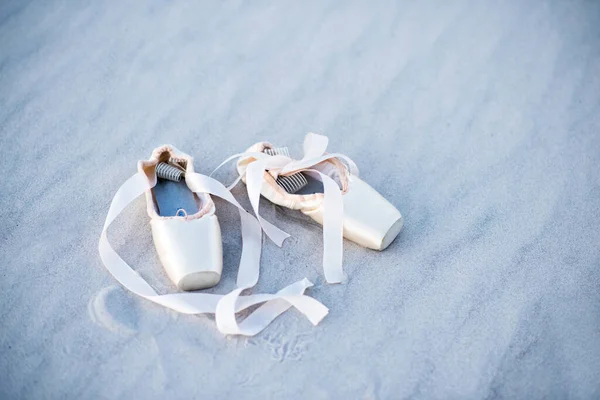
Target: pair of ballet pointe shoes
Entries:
(188, 241)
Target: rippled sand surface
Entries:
(479, 120)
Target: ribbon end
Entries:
(318, 316)
(307, 283)
(281, 240)
(336, 278)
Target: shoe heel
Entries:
(174, 170)
(292, 183)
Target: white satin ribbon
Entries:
(223, 306)
(333, 228)
(333, 213)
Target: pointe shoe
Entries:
(354, 207)
(369, 219)
(188, 241)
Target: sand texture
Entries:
(479, 120)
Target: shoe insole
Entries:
(172, 196)
(314, 186)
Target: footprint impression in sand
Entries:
(115, 310)
(282, 346)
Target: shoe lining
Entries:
(313, 186)
(172, 196)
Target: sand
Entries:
(480, 121)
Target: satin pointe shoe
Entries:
(187, 238)
(336, 198)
